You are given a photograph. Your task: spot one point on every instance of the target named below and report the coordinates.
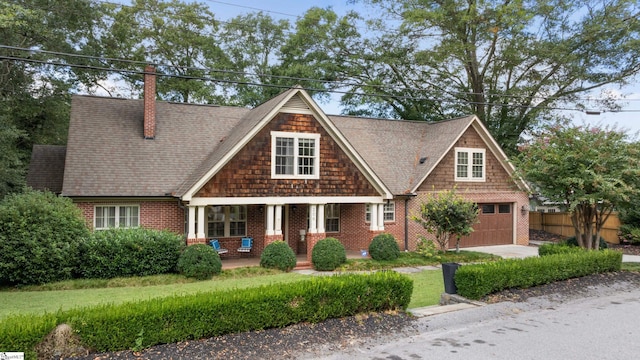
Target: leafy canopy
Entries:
(589, 170)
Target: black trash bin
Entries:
(448, 271)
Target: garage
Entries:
(495, 226)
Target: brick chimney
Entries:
(149, 102)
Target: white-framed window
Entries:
(470, 164)
(116, 216)
(389, 212)
(332, 218)
(226, 221)
(295, 155)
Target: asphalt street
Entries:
(604, 325)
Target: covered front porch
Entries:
(300, 222)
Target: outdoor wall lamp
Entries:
(524, 209)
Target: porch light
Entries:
(524, 209)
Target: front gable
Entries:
(244, 167)
(250, 172)
(495, 176)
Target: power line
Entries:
(334, 83)
(321, 90)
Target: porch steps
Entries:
(303, 265)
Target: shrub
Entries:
(476, 281)
(130, 252)
(199, 261)
(171, 319)
(278, 255)
(40, 236)
(427, 248)
(574, 242)
(629, 234)
(328, 254)
(560, 248)
(384, 247)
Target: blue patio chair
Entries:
(246, 245)
(216, 246)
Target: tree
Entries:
(181, 38)
(508, 62)
(447, 214)
(589, 170)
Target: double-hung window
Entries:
(226, 221)
(332, 217)
(388, 213)
(470, 164)
(116, 216)
(295, 155)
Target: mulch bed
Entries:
(289, 342)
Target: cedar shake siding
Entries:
(249, 172)
(442, 177)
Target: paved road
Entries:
(605, 325)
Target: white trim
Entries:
(285, 200)
(384, 212)
(324, 120)
(117, 207)
(296, 143)
(470, 152)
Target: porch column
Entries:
(312, 219)
(191, 234)
(270, 230)
(201, 222)
(320, 219)
(373, 226)
(381, 217)
(278, 220)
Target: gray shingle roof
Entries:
(107, 155)
(47, 167)
(393, 148)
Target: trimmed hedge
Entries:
(327, 254)
(278, 255)
(572, 241)
(476, 281)
(199, 261)
(178, 318)
(130, 252)
(384, 247)
(560, 248)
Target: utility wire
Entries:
(321, 90)
(328, 82)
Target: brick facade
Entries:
(160, 214)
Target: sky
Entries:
(628, 119)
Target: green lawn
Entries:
(428, 285)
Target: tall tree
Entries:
(181, 38)
(34, 94)
(509, 62)
(589, 170)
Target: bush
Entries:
(328, 254)
(560, 248)
(476, 281)
(384, 247)
(428, 249)
(199, 261)
(130, 252)
(278, 255)
(177, 318)
(574, 242)
(629, 234)
(40, 237)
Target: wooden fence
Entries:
(560, 223)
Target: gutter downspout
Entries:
(406, 219)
